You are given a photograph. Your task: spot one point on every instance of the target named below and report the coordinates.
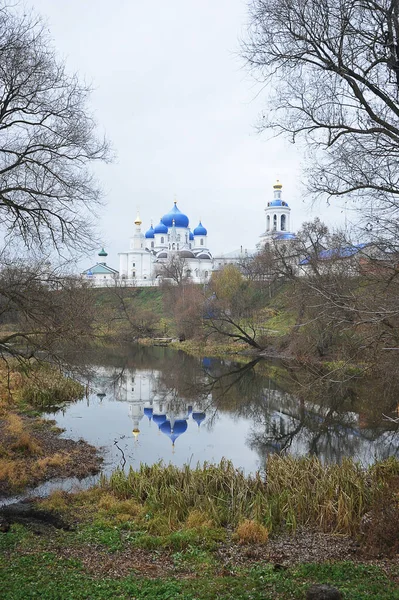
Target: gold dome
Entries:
(136, 432)
(278, 185)
(138, 221)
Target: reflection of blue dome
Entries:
(159, 419)
(150, 233)
(161, 228)
(277, 202)
(191, 236)
(174, 432)
(200, 229)
(180, 219)
(148, 410)
(198, 417)
(207, 362)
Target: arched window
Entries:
(268, 223)
(173, 246)
(152, 244)
(162, 240)
(177, 246)
(206, 273)
(274, 222)
(283, 217)
(202, 242)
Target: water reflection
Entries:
(151, 404)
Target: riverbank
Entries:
(151, 534)
(32, 450)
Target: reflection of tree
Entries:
(290, 408)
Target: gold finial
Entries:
(278, 185)
(138, 221)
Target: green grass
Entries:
(43, 575)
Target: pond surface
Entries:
(147, 405)
(155, 404)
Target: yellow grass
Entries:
(251, 532)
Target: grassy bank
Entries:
(170, 533)
(31, 450)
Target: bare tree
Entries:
(47, 138)
(331, 68)
(43, 311)
(174, 268)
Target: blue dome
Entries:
(148, 410)
(174, 432)
(200, 230)
(161, 228)
(159, 419)
(285, 235)
(191, 236)
(277, 202)
(198, 417)
(150, 233)
(177, 216)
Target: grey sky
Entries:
(173, 97)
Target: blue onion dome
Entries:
(179, 427)
(150, 233)
(148, 410)
(161, 228)
(159, 419)
(180, 219)
(191, 236)
(198, 417)
(200, 230)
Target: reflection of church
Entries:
(170, 414)
(173, 237)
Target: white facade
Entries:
(172, 236)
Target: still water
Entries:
(155, 404)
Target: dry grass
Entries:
(251, 532)
(298, 491)
(197, 519)
(26, 444)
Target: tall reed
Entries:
(295, 491)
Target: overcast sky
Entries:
(180, 110)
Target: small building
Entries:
(101, 275)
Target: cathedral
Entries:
(144, 264)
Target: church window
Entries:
(282, 222)
(274, 222)
(173, 246)
(162, 240)
(178, 238)
(133, 274)
(202, 242)
(268, 223)
(206, 273)
(152, 244)
(134, 264)
(177, 246)
(186, 238)
(190, 246)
